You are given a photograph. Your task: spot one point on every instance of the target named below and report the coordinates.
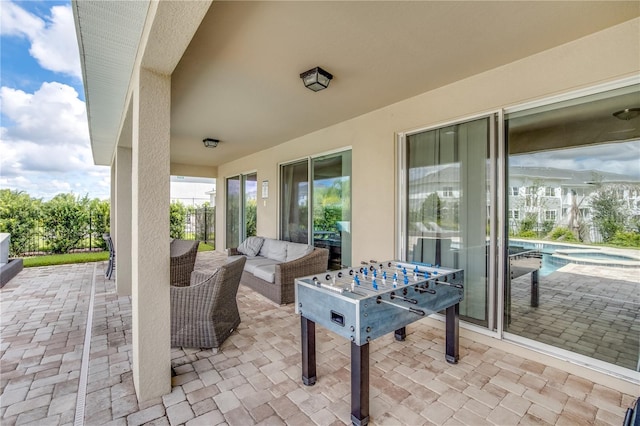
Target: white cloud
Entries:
(45, 148)
(53, 42)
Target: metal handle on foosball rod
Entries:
(406, 308)
(406, 299)
(449, 284)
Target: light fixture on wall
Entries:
(316, 79)
(627, 113)
(210, 143)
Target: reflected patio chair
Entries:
(111, 265)
(183, 259)
(205, 313)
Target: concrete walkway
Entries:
(255, 377)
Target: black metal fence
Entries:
(199, 224)
(36, 243)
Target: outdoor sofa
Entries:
(273, 265)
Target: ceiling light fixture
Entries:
(210, 143)
(316, 79)
(627, 113)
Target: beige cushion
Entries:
(251, 246)
(266, 272)
(274, 249)
(296, 251)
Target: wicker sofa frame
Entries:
(282, 291)
(183, 260)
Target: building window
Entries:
(447, 191)
(532, 190)
(549, 191)
(514, 214)
(550, 215)
(514, 191)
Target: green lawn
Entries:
(63, 259)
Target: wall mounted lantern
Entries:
(316, 79)
(210, 143)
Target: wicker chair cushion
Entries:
(251, 246)
(296, 251)
(274, 249)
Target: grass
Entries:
(64, 259)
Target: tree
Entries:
(19, 215)
(65, 221)
(608, 216)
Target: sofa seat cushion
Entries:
(255, 262)
(297, 250)
(274, 249)
(266, 272)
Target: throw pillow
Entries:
(251, 246)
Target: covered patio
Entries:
(165, 79)
(51, 376)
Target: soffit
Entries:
(108, 36)
(238, 79)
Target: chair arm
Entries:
(233, 251)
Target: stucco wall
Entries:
(605, 56)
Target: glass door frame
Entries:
(242, 226)
(496, 265)
(309, 160)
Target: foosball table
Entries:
(363, 303)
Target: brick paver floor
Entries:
(590, 310)
(255, 376)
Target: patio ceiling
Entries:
(238, 81)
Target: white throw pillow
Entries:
(251, 246)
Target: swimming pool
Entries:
(555, 256)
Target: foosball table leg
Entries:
(452, 334)
(308, 340)
(400, 334)
(359, 384)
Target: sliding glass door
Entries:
(317, 191)
(448, 206)
(241, 213)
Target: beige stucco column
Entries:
(123, 221)
(150, 235)
(112, 197)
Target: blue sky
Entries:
(44, 144)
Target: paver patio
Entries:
(255, 377)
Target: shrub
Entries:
(178, 215)
(19, 215)
(100, 220)
(66, 221)
(626, 239)
(562, 234)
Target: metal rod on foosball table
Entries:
(308, 341)
(452, 334)
(359, 384)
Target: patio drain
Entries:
(84, 368)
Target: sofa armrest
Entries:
(233, 251)
(313, 263)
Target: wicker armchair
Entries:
(111, 265)
(205, 313)
(183, 259)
